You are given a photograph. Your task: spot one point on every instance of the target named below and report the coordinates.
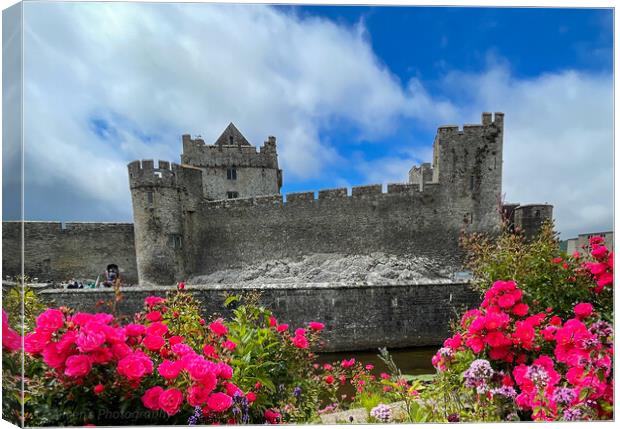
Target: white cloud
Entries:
(170, 69)
(558, 140)
(165, 69)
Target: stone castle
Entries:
(221, 209)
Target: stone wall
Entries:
(356, 318)
(77, 250)
(250, 182)
(403, 220)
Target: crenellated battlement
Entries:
(296, 199)
(144, 173)
(166, 175)
(488, 120)
(232, 148)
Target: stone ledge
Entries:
(257, 286)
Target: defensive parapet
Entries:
(162, 199)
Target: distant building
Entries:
(582, 241)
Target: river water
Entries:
(413, 361)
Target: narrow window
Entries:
(537, 213)
(231, 173)
(232, 194)
(149, 198)
(471, 183)
(175, 241)
(230, 140)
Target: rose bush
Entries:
(509, 362)
(168, 365)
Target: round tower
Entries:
(158, 222)
(529, 218)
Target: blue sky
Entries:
(354, 95)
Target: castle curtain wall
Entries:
(402, 221)
(79, 250)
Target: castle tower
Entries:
(232, 167)
(467, 164)
(529, 218)
(161, 197)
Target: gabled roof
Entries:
(237, 137)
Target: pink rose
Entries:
(150, 399)
(182, 349)
(347, 363)
(170, 401)
(209, 351)
(153, 342)
(89, 340)
(120, 350)
(103, 318)
(273, 322)
(169, 369)
(50, 320)
(115, 335)
(52, 358)
(272, 417)
(300, 342)
(281, 328)
(135, 365)
(176, 339)
(197, 395)
(219, 402)
(153, 316)
(11, 340)
(81, 319)
(150, 301)
(135, 330)
(218, 328)
(98, 389)
(316, 326)
(231, 389)
(77, 366)
(224, 371)
(157, 328)
(229, 345)
(34, 342)
(583, 310)
(102, 355)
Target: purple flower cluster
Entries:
(602, 329)
(478, 375)
(195, 418)
(539, 375)
(505, 391)
(572, 414)
(241, 408)
(382, 412)
(564, 395)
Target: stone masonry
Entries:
(221, 209)
(198, 217)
